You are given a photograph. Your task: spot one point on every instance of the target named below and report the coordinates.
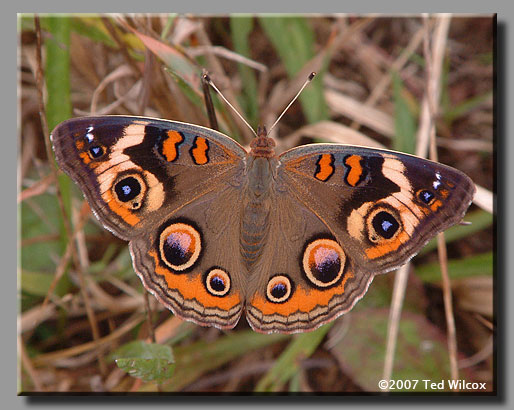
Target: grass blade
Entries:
(479, 220)
(200, 357)
(477, 265)
(288, 364)
(293, 39)
(404, 121)
(240, 28)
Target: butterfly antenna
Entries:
(311, 76)
(207, 78)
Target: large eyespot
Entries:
(279, 289)
(129, 190)
(382, 223)
(323, 262)
(217, 282)
(179, 246)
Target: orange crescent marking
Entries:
(199, 152)
(355, 172)
(191, 286)
(79, 144)
(302, 300)
(125, 214)
(169, 145)
(444, 193)
(326, 169)
(85, 158)
(436, 205)
(381, 250)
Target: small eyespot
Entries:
(217, 282)
(96, 151)
(279, 289)
(426, 196)
(179, 246)
(323, 262)
(382, 224)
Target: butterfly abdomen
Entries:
(256, 209)
(254, 229)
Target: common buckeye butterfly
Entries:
(291, 240)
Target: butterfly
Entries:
(291, 241)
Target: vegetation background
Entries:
(82, 319)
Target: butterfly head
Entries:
(262, 145)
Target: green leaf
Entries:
(293, 39)
(147, 369)
(288, 364)
(240, 28)
(404, 119)
(173, 58)
(143, 350)
(477, 265)
(38, 283)
(421, 351)
(146, 361)
(40, 217)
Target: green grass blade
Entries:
(288, 364)
(57, 69)
(404, 120)
(58, 85)
(167, 27)
(465, 107)
(479, 220)
(240, 29)
(477, 265)
(293, 40)
(187, 89)
(93, 28)
(194, 360)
